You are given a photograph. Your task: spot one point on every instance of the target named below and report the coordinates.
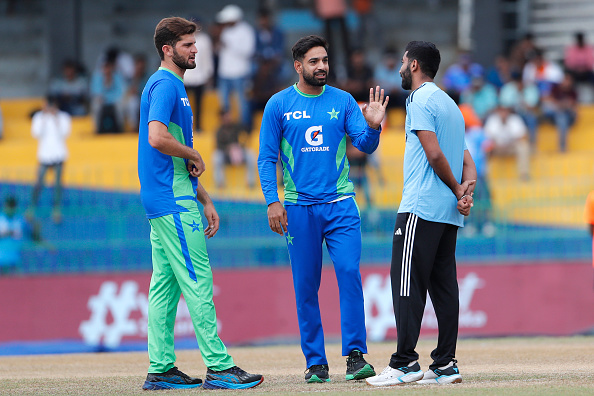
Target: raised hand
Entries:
(375, 110)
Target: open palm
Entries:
(375, 111)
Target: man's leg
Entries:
(413, 252)
(183, 240)
(42, 169)
(304, 241)
(164, 295)
(443, 289)
(342, 230)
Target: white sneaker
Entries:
(391, 376)
(443, 375)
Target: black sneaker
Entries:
(317, 373)
(171, 379)
(357, 367)
(232, 378)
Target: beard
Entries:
(181, 62)
(406, 79)
(313, 81)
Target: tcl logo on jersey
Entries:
(296, 115)
(314, 137)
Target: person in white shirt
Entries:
(196, 79)
(508, 134)
(236, 49)
(50, 127)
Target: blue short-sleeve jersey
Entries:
(428, 108)
(310, 132)
(166, 186)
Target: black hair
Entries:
(426, 54)
(306, 43)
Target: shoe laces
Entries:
(386, 370)
(354, 358)
(315, 367)
(175, 371)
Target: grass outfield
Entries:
(504, 366)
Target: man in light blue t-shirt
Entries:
(439, 179)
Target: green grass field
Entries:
(504, 366)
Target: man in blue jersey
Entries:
(439, 178)
(308, 123)
(168, 169)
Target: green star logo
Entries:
(289, 238)
(333, 113)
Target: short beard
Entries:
(407, 79)
(311, 80)
(181, 62)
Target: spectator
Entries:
(507, 131)
(131, 101)
(360, 76)
(524, 99)
(369, 32)
(107, 90)
(500, 73)
(481, 96)
(268, 61)
(542, 72)
(458, 77)
(50, 127)
(198, 78)
(230, 150)
(124, 62)
(71, 89)
(579, 60)
(522, 51)
(14, 230)
(478, 145)
(236, 50)
(333, 15)
(387, 76)
(561, 107)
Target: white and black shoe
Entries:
(402, 375)
(448, 374)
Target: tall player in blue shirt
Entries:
(439, 178)
(168, 169)
(308, 123)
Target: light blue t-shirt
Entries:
(428, 108)
(310, 131)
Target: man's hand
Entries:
(213, 220)
(375, 111)
(197, 167)
(277, 218)
(465, 204)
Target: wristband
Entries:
(462, 197)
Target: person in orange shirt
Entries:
(589, 217)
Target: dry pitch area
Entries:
(507, 366)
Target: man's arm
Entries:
(209, 211)
(440, 164)
(270, 140)
(373, 112)
(160, 139)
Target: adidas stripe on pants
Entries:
(424, 260)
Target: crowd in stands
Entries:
(507, 100)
